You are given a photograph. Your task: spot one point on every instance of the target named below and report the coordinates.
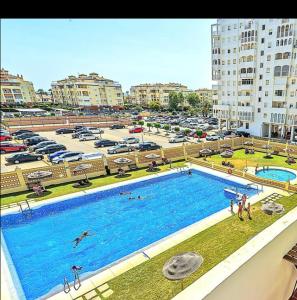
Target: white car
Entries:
(93, 155)
(69, 156)
(88, 137)
(178, 139)
(94, 130)
(213, 137)
(129, 140)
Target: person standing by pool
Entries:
(243, 199)
(256, 169)
(248, 210)
(239, 212)
(231, 206)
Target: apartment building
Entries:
(87, 90)
(16, 90)
(204, 94)
(254, 64)
(44, 96)
(143, 94)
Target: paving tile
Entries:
(96, 298)
(103, 287)
(90, 295)
(102, 277)
(107, 293)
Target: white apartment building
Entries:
(255, 66)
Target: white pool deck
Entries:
(9, 289)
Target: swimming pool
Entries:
(276, 174)
(41, 246)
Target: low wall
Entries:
(266, 276)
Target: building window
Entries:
(277, 71)
(261, 65)
(270, 32)
(259, 99)
(262, 52)
(267, 70)
(259, 110)
(229, 51)
(234, 61)
(260, 88)
(266, 94)
(247, 126)
(263, 27)
(260, 77)
(262, 41)
(285, 70)
(268, 57)
(267, 82)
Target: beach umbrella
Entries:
(38, 175)
(205, 152)
(82, 167)
(122, 160)
(289, 150)
(271, 208)
(225, 146)
(181, 266)
(152, 156)
(248, 143)
(227, 154)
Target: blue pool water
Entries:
(41, 247)
(276, 174)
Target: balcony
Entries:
(246, 87)
(278, 115)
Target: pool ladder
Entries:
(23, 210)
(76, 283)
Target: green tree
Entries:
(176, 129)
(199, 132)
(154, 105)
(141, 123)
(173, 101)
(134, 123)
(167, 128)
(181, 100)
(187, 131)
(205, 108)
(149, 125)
(138, 108)
(193, 100)
(157, 125)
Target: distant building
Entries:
(44, 97)
(205, 94)
(14, 89)
(143, 94)
(88, 91)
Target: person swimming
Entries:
(76, 268)
(80, 238)
(125, 193)
(138, 198)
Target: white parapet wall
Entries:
(255, 271)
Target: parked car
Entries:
(120, 148)
(129, 140)
(204, 135)
(228, 132)
(105, 143)
(95, 130)
(79, 127)
(178, 139)
(5, 138)
(26, 135)
(6, 147)
(117, 126)
(88, 137)
(148, 146)
(4, 132)
(93, 155)
(212, 137)
(242, 133)
(65, 130)
(20, 131)
(67, 156)
(78, 133)
(35, 140)
(55, 154)
(50, 149)
(136, 130)
(23, 157)
(42, 145)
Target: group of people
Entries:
(241, 207)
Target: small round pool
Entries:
(276, 174)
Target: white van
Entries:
(94, 155)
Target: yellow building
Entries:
(143, 94)
(205, 94)
(14, 89)
(44, 97)
(87, 90)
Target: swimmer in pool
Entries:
(125, 193)
(80, 238)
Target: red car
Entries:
(10, 147)
(204, 134)
(136, 130)
(4, 138)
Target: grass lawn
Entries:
(214, 244)
(239, 160)
(67, 188)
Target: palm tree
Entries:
(167, 128)
(157, 125)
(149, 125)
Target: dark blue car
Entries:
(55, 154)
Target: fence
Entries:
(17, 181)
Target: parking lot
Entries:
(88, 146)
